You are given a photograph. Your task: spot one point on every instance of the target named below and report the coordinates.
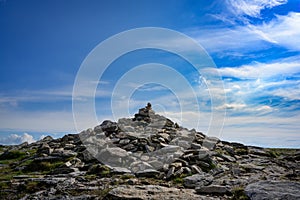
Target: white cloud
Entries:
(251, 8)
(236, 41)
(291, 93)
(233, 106)
(285, 31)
(53, 95)
(285, 68)
(261, 70)
(17, 139)
(264, 108)
(42, 137)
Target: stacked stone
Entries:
(158, 147)
(144, 114)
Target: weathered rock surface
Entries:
(273, 190)
(149, 157)
(198, 180)
(138, 192)
(213, 189)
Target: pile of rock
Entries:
(144, 114)
(145, 158)
(153, 144)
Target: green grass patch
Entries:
(276, 152)
(100, 170)
(16, 156)
(6, 176)
(90, 176)
(241, 151)
(179, 179)
(32, 186)
(13, 154)
(239, 194)
(45, 166)
(127, 176)
(4, 185)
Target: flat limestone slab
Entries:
(142, 192)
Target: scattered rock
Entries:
(151, 192)
(120, 170)
(213, 189)
(210, 142)
(197, 180)
(150, 173)
(273, 190)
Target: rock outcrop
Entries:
(273, 190)
(147, 157)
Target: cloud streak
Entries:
(251, 8)
(286, 68)
(282, 31)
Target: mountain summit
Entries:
(146, 157)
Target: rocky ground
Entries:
(137, 159)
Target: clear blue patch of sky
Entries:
(138, 57)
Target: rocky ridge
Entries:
(153, 158)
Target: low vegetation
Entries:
(238, 193)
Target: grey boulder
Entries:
(273, 190)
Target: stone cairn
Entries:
(144, 114)
(146, 157)
(157, 144)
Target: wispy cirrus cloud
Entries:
(262, 89)
(284, 67)
(64, 93)
(284, 30)
(238, 40)
(251, 8)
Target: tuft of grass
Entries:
(4, 185)
(90, 176)
(241, 151)
(16, 157)
(13, 154)
(127, 176)
(276, 152)
(31, 186)
(37, 166)
(239, 194)
(273, 154)
(179, 179)
(100, 170)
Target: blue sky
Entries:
(254, 44)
